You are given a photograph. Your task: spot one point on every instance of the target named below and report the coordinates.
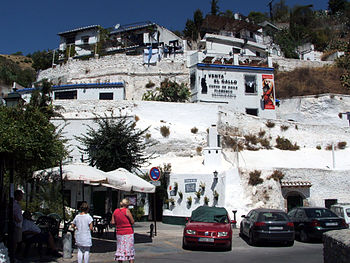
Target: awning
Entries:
(131, 181)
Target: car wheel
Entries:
(241, 231)
(303, 236)
(290, 243)
(252, 240)
(184, 246)
(229, 246)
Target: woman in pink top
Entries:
(123, 220)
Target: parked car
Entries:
(208, 227)
(267, 225)
(312, 222)
(342, 210)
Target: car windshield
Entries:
(348, 211)
(210, 215)
(273, 216)
(319, 213)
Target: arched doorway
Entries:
(294, 200)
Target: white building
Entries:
(80, 41)
(83, 91)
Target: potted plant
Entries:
(202, 186)
(189, 200)
(176, 186)
(206, 200)
(180, 194)
(198, 194)
(172, 201)
(216, 195)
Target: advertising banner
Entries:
(268, 96)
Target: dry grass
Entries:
(309, 81)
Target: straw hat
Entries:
(125, 202)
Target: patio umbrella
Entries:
(78, 172)
(131, 181)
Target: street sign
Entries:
(155, 183)
(154, 174)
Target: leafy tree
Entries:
(11, 72)
(169, 91)
(257, 17)
(42, 59)
(336, 6)
(301, 21)
(214, 8)
(192, 28)
(280, 11)
(287, 43)
(115, 143)
(228, 13)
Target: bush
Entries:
(329, 147)
(318, 147)
(194, 130)
(254, 178)
(199, 150)
(251, 139)
(233, 143)
(285, 144)
(276, 175)
(148, 135)
(341, 145)
(189, 200)
(284, 127)
(261, 133)
(164, 130)
(206, 200)
(137, 212)
(270, 124)
(265, 143)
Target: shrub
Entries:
(284, 127)
(285, 144)
(276, 175)
(318, 147)
(180, 195)
(137, 212)
(199, 150)
(137, 118)
(265, 143)
(216, 195)
(341, 145)
(254, 178)
(251, 139)
(270, 124)
(202, 186)
(261, 133)
(329, 147)
(150, 84)
(296, 127)
(172, 201)
(164, 130)
(229, 142)
(198, 194)
(148, 135)
(194, 130)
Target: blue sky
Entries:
(29, 26)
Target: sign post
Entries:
(154, 174)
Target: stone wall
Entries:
(120, 68)
(287, 64)
(336, 246)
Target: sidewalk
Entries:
(103, 248)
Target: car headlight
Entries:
(190, 232)
(222, 234)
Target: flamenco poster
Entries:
(268, 96)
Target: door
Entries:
(294, 201)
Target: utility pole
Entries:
(270, 7)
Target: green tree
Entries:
(214, 8)
(11, 72)
(336, 6)
(257, 17)
(192, 28)
(301, 23)
(280, 11)
(42, 59)
(115, 143)
(169, 91)
(287, 43)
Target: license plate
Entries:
(332, 224)
(206, 239)
(276, 228)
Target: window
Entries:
(238, 35)
(106, 96)
(250, 83)
(85, 40)
(66, 95)
(251, 34)
(253, 112)
(70, 40)
(257, 53)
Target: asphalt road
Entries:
(169, 250)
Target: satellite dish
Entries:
(116, 26)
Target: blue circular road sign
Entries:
(154, 173)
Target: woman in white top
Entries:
(83, 226)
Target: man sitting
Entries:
(32, 234)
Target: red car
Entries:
(208, 227)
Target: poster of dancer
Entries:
(268, 96)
